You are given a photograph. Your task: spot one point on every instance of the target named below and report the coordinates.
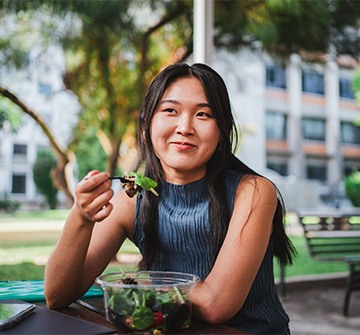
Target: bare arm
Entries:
(223, 292)
(92, 234)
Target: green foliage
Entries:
(304, 264)
(144, 182)
(287, 26)
(138, 306)
(42, 168)
(356, 88)
(38, 215)
(111, 57)
(112, 53)
(22, 271)
(21, 252)
(7, 205)
(89, 153)
(352, 187)
(10, 116)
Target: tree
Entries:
(356, 87)
(110, 62)
(116, 57)
(63, 178)
(283, 27)
(115, 48)
(352, 187)
(89, 152)
(42, 171)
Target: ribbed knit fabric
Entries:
(183, 226)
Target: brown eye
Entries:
(204, 115)
(170, 110)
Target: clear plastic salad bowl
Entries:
(148, 300)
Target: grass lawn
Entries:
(54, 214)
(305, 265)
(24, 260)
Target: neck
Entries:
(184, 178)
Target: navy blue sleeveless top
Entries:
(182, 228)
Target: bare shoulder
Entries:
(259, 189)
(254, 181)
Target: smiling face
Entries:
(184, 132)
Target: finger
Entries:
(91, 173)
(103, 199)
(103, 213)
(99, 202)
(94, 181)
(89, 205)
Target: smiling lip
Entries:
(183, 145)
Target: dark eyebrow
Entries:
(169, 101)
(204, 104)
(201, 104)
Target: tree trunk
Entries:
(63, 177)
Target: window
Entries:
(277, 163)
(350, 133)
(45, 89)
(276, 125)
(313, 129)
(20, 149)
(316, 169)
(279, 167)
(19, 183)
(313, 82)
(345, 88)
(19, 153)
(275, 76)
(350, 166)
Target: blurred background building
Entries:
(296, 123)
(40, 86)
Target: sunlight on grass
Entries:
(37, 255)
(22, 271)
(305, 265)
(54, 214)
(31, 271)
(38, 252)
(25, 260)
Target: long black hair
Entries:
(222, 160)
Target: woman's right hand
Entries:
(92, 196)
(85, 247)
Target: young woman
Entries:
(214, 216)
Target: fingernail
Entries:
(90, 174)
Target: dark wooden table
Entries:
(96, 316)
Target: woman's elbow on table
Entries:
(55, 298)
(207, 306)
(212, 313)
(52, 301)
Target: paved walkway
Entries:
(315, 306)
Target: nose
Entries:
(184, 126)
